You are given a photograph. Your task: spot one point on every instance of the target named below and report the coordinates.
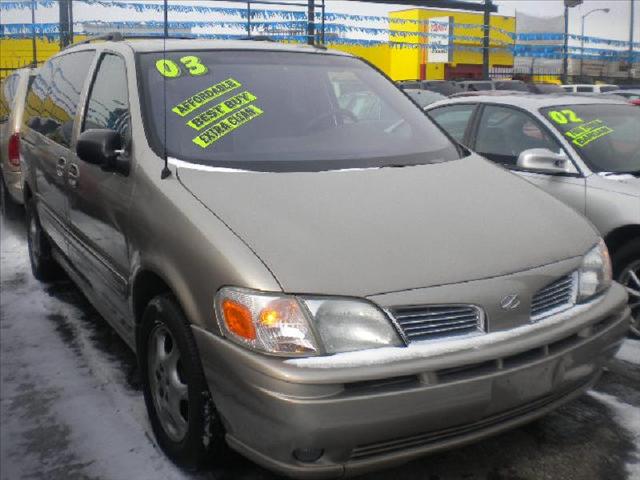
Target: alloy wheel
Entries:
(630, 279)
(168, 388)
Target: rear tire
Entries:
(182, 414)
(626, 270)
(43, 266)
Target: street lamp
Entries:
(605, 10)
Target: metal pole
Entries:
(582, 46)
(33, 33)
(71, 21)
(248, 19)
(311, 30)
(565, 49)
(323, 12)
(166, 18)
(631, 40)
(486, 39)
(63, 15)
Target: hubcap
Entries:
(168, 387)
(630, 278)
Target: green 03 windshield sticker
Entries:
(205, 96)
(228, 125)
(212, 114)
(586, 133)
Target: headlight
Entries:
(595, 273)
(292, 325)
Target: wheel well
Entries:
(621, 236)
(146, 286)
(26, 192)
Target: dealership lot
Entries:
(72, 407)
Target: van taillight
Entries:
(14, 149)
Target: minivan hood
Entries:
(372, 231)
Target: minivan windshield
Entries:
(282, 111)
(607, 137)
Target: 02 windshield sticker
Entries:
(586, 133)
(221, 109)
(227, 125)
(205, 96)
(563, 117)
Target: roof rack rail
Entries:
(119, 37)
(257, 38)
(112, 37)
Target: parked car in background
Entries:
(586, 88)
(13, 91)
(424, 97)
(482, 85)
(633, 95)
(583, 150)
(544, 88)
(324, 292)
(443, 87)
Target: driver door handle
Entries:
(73, 173)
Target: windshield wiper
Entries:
(635, 173)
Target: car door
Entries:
(99, 200)
(50, 113)
(455, 120)
(502, 133)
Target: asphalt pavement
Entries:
(71, 406)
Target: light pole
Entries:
(605, 10)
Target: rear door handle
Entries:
(60, 166)
(73, 174)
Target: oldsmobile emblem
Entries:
(510, 302)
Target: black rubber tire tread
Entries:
(45, 267)
(204, 442)
(622, 257)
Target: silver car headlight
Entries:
(595, 273)
(293, 325)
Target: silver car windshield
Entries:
(282, 111)
(607, 137)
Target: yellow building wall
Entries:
(379, 55)
(405, 64)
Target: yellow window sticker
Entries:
(212, 114)
(228, 125)
(588, 132)
(207, 95)
(564, 116)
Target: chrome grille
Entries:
(426, 322)
(553, 298)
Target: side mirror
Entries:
(542, 160)
(103, 147)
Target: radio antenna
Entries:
(165, 171)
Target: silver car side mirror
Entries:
(543, 160)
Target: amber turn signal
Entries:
(237, 317)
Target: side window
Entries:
(454, 119)
(584, 89)
(34, 109)
(68, 78)
(506, 132)
(108, 104)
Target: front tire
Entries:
(43, 266)
(178, 401)
(626, 271)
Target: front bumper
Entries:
(366, 417)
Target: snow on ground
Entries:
(66, 409)
(630, 351)
(629, 418)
